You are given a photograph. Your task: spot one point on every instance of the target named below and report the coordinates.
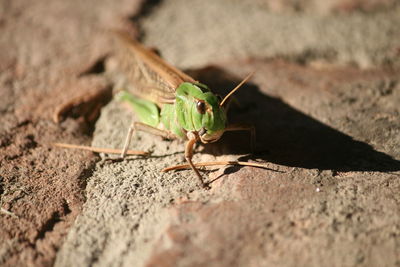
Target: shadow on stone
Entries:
(287, 136)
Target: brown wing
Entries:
(151, 77)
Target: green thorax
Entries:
(185, 115)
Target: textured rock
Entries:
(46, 46)
(202, 34)
(320, 206)
(324, 100)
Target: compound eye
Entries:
(201, 106)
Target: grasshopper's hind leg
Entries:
(139, 126)
(128, 139)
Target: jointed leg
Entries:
(138, 126)
(189, 155)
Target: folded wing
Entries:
(150, 76)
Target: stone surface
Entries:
(322, 202)
(45, 47)
(204, 34)
(324, 100)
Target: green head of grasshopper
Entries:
(199, 110)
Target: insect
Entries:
(171, 104)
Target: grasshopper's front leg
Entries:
(192, 139)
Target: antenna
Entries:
(234, 89)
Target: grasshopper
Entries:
(171, 104)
